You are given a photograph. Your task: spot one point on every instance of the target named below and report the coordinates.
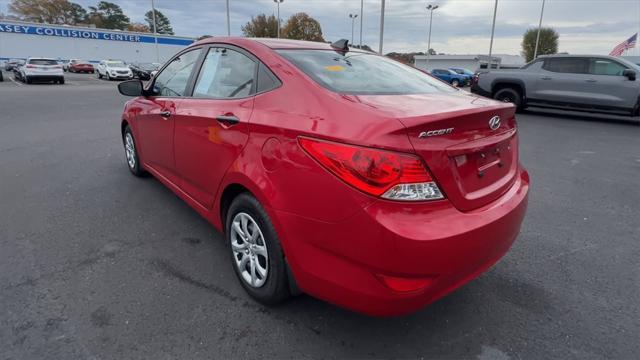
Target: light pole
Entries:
(493, 29)
(361, 18)
(278, 2)
(155, 35)
(535, 52)
(228, 21)
(431, 9)
(353, 20)
(381, 27)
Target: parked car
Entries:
(1, 77)
(451, 77)
(335, 172)
(143, 71)
(15, 69)
(594, 83)
(462, 71)
(78, 66)
(66, 64)
(9, 65)
(41, 70)
(113, 70)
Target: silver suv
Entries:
(594, 83)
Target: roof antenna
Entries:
(342, 45)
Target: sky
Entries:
(459, 26)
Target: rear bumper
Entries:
(342, 262)
(37, 78)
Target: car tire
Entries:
(99, 75)
(509, 95)
(131, 153)
(269, 286)
(27, 80)
(108, 77)
(61, 81)
(455, 83)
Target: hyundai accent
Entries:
(332, 171)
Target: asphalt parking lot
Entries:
(97, 264)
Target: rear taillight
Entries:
(31, 66)
(390, 175)
(58, 66)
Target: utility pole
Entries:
(155, 34)
(431, 9)
(228, 21)
(361, 19)
(381, 27)
(493, 29)
(535, 52)
(278, 2)
(353, 20)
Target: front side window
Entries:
(606, 67)
(568, 65)
(225, 74)
(173, 79)
(359, 73)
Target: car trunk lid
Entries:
(473, 162)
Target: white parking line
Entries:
(15, 82)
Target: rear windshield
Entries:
(363, 74)
(115, 64)
(42, 62)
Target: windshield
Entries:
(358, 73)
(115, 64)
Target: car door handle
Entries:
(165, 114)
(227, 119)
(546, 78)
(591, 80)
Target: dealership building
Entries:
(20, 40)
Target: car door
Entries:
(562, 80)
(608, 87)
(212, 128)
(156, 119)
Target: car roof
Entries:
(573, 56)
(269, 42)
(41, 58)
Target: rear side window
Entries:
(362, 73)
(606, 67)
(567, 65)
(42, 62)
(173, 79)
(225, 74)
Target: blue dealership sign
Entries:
(88, 34)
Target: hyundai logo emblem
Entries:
(494, 123)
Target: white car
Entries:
(113, 69)
(65, 66)
(41, 69)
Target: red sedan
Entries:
(334, 172)
(78, 66)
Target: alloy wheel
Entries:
(249, 250)
(130, 150)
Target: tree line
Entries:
(104, 15)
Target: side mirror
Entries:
(131, 88)
(630, 74)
